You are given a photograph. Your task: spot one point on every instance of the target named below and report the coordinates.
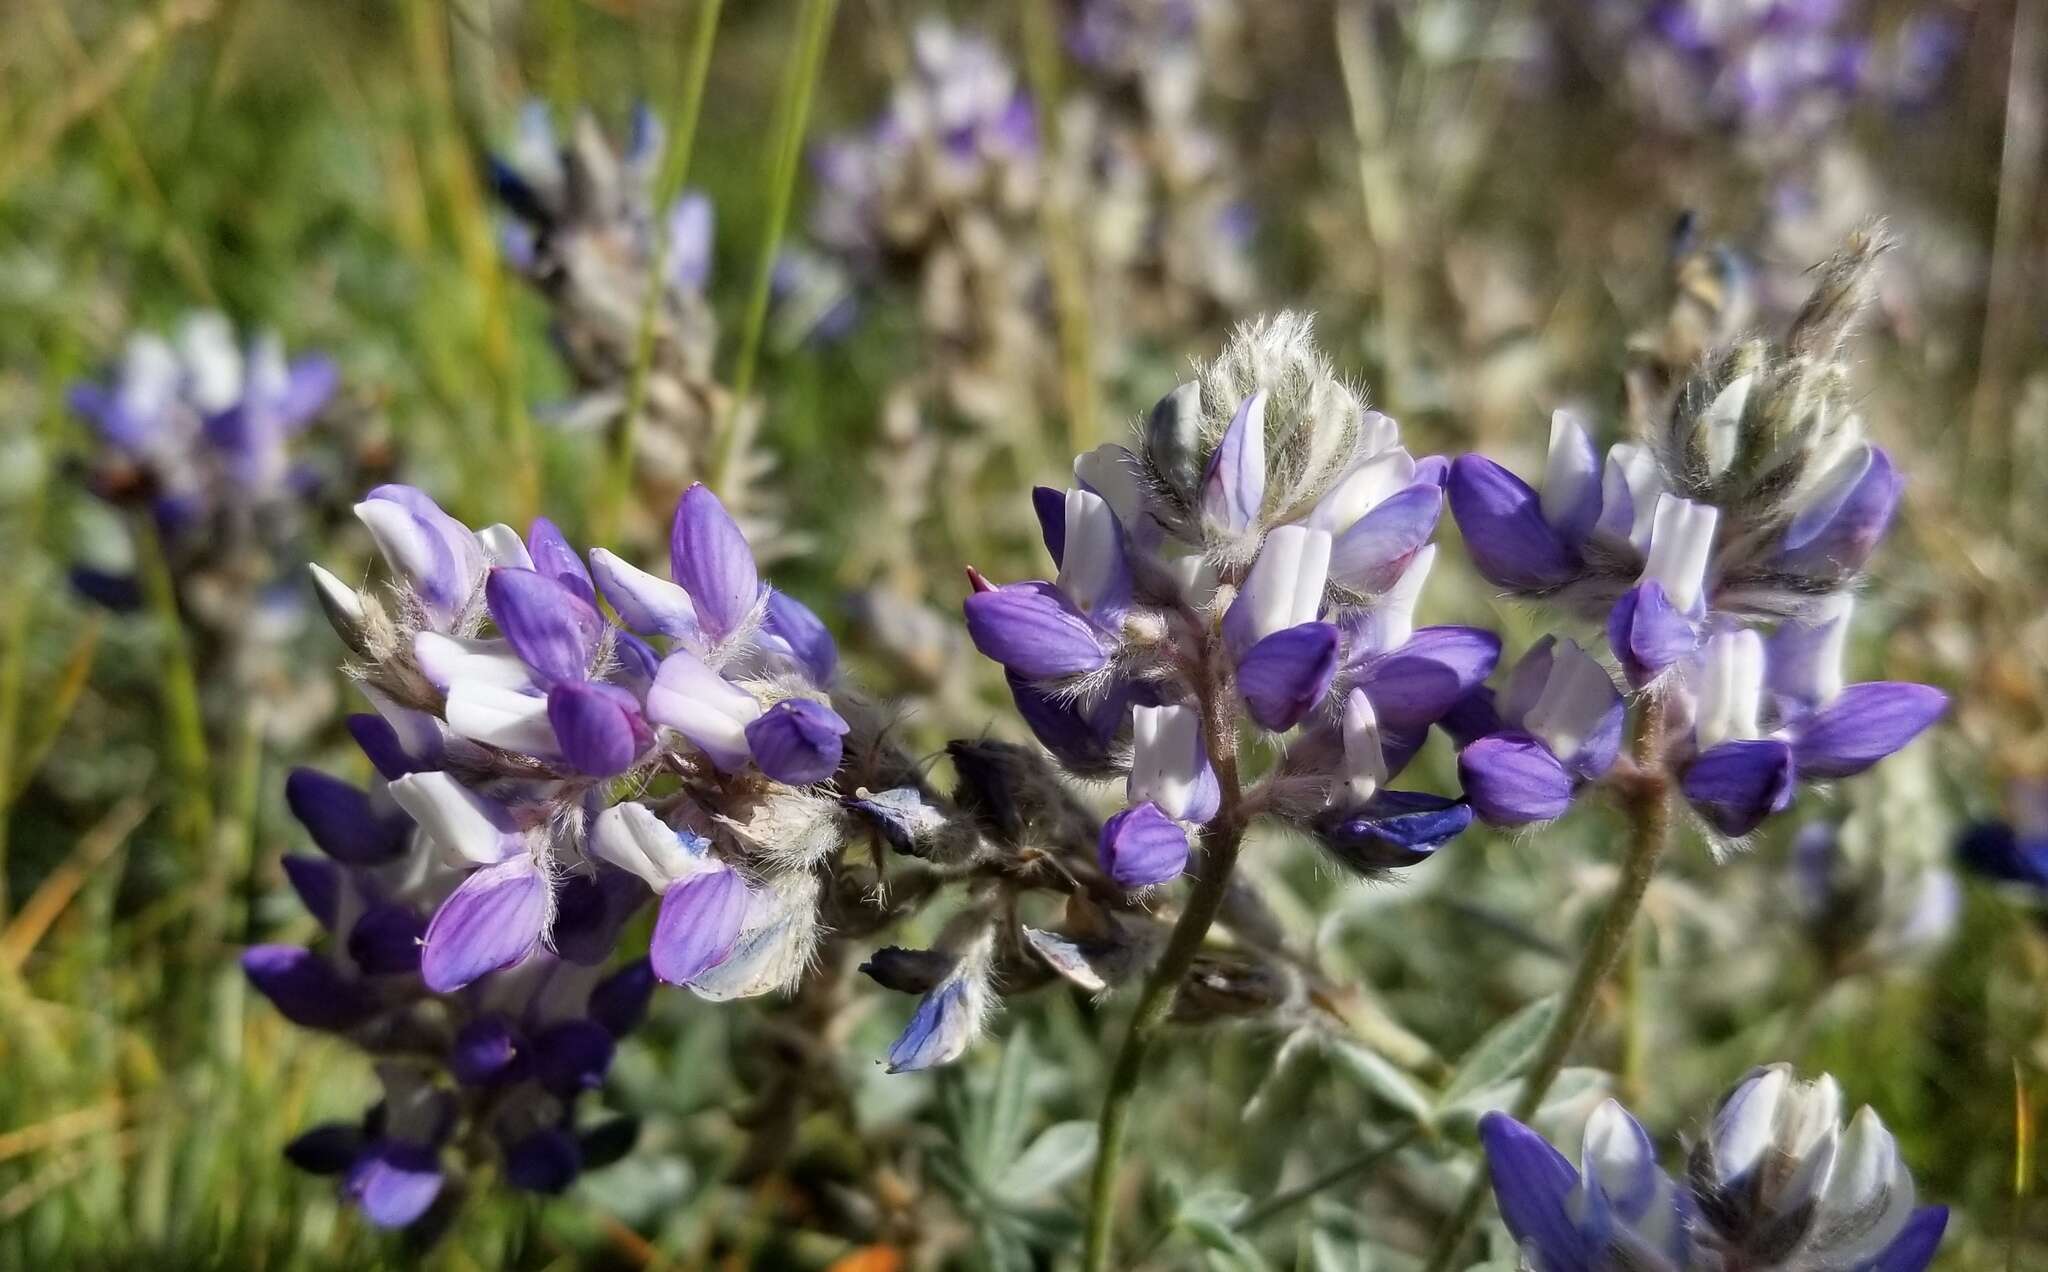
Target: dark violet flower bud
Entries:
(554, 631)
(545, 1162)
(394, 1183)
(909, 971)
(1616, 1209)
(1514, 779)
(492, 920)
(1392, 830)
(1286, 676)
(1502, 520)
(1737, 784)
(1034, 631)
(619, 1001)
(488, 1051)
(1050, 507)
(598, 727)
(386, 940)
(381, 743)
(1173, 438)
(802, 637)
(699, 924)
(305, 988)
(709, 557)
(318, 883)
(121, 593)
(797, 741)
(590, 912)
(342, 821)
(1084, 739)
(1142, 846)
(328, 1149)
(572, 1056)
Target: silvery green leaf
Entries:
(1287, 1062)
(1060, 1152)
(1211, 1217)
(1503, 1053)
(1373, 1072)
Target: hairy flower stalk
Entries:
(1251, 566)
(585, 231)
(1754, 501)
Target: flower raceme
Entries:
(1778, 1184)
(1268, 540)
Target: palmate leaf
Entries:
(1503, 1053)
(1061, 1152)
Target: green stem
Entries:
(1279, 1203)
(793, 112)
(675, 170)
(1220, 844)
(186, 725)
(1646, 796)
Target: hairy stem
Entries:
(1220, 844)
(1646, 798)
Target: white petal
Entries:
(1365, 759)
(632, 838)
(1569, 472)
(1681, 543)
(500, 717)
(503, 546)
(1166, 752)
(1093, 556)
(1748, 1121)
(450, 660)
(698, 703)
(453, 816)
(1576, 697)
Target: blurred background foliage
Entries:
(1475, 199)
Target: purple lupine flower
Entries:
(1765, 718)
(1555, 726)
(951, 1013)
(1778, 1183)
(2013, 850)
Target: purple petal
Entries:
(305, 988)
(1914, 1248)
(806, 637)
(1082, 739)
(1534, 1183)
(380, 742)
(571, 1057)
(553, 630)
(1286, 676)
(939, 1030)
(709, 556)
(394, 1183)
(619, 1002)
(590, 912)
(1433, 469)
(1737, 784)
(487, 1051)
(318, 883)
(553, 558)
(493, 920)
(1373, 553)
(1863, 725)
(1416, 683)
(436, 553)
(1837, 532)
(797, 741)
(545, 1162)
(1649, 635)
(1392, 830)
(386, 940)
(1234, 485)
(1512, 779)
(342, 821)
(308, 386)
(644, 602)
(598, 727)
(120, 593)
(1142, 846)
(1051, 507)
(1502, 521)
(1034, 631)
(698, 926)
(1998, 851)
